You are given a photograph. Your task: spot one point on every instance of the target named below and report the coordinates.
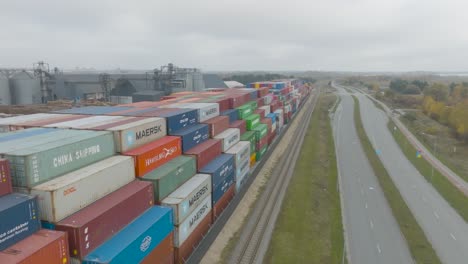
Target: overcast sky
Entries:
(350, 35)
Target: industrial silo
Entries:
(25, 88)
(5, 95)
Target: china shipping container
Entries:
(19, 216)
(192, 136)
(223, 202)
(205, 152)
(65, 195)
(229, 138)
(91, 226)
(217, 125)
(184, 230)
(232, 114)
(252, 121)
(170, 176)
(152, 155)
(162, 253)
(44, 246)
(5, 177)
(188, 197)
(17, 135)
(136, 241)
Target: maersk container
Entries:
(32, 166)
(66, 195)
(244, 110)
(260, 130)
(192, 136)
(220, 189)
(250, 136)
(230, 137)
(5, 177)
(219, 168)
(188, 196)
(183, 231)
(266, 109)
(241, 152)
(88, 122)
(91, 226)
(252, 121)
(19, 216)
(133, 243)
(232, 114)
(178, 119)
(170, 176)
(93, 110)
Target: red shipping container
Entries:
(260, 112)
(240, 124)
(206, 152)
(91, 226)
(155, 154)
(268, 122)
(44, 246)
(223, 104)
(262, 142)
(271, 137)
(217, 125)
(261, 92)
(163, 253)
(182, 253)
(5, 177)
(219, 207)
(235, 100)
(260, 102)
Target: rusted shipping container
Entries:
(5, 177)
(239, 124)
(163, 253)
(217, 125)
(90, 227)
(155, 154)
(44, 246)
(222, 203)
(206, 152)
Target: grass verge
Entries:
(451, 194)
(419, 246)
(337, 102)
(309, 228)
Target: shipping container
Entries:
(5, 177)
(260, 153)
(136, 241)
(150, 156)
(251, 137)
(188, 196)
(252, 121)
(266, 109)
(261, 143)
(241, 152)
(183, 231)
(205, 152)
(280, 117)
(32, 166)
(205, 110)
(67, 194)
(239, 124)
(19, 216)
(183, 252)
(20, 134)
(93, 110)
(272, 116)
(170, 176)
(268, 99)
(192, 136)
(44, 246)
(217, 125)
(260, 102)
(244, 111)
(162, 253)
(177, 119)
(91, 226)
(229, 137)
(260, 112)
(220, 189)
(261, 92)
(260, 130)
(232, 114)
(43, 122)
(253, 159)
(242, 168)
(223, 202)
(6, 123)
(236, 100)
(219, 168)
(242, 179)
(88, 122)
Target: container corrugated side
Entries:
(188, 196)
(88, 122)
(206, 152)
(183, 231)
(183, 252)
(241, 151)
(170, 176)
(217, 125)
(19, 216)
(136, 241)
(241, 180)
(162, 253)
(21, 134)
(219, 168)
(192, 136)
(250, 136)
(266, 109)
(230, 137)
(5, 177)
(223, 202)
(65, 195)
(252, 121)
(177, 119)
(44, 246)
(239, 124)
(5, 123)
(223, 186)
(38, 164)
(91, 226)
(205, 110)
(232, 114)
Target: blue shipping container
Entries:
(253, 93)
(232, 114)
(180, 119)
(219, 168)
(94, 110)
(19, 134)
(192, 136)
(19, 218)
(272, 116)
(133, 243)
(220, 189)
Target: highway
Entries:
(444, 228)
(371, 232)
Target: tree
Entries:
(438, 91)
(398, 85)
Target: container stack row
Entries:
(136, 183)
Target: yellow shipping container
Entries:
(252, 159)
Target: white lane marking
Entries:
(366, 205)
(378, 248)
(371, 224)
(454, 238)
(436, 215)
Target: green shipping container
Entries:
(171, 176)
(253, 105)
(260, 131)
(252, 121)
(244, 111)
(250, 136)
(35, 165)
(260, 153)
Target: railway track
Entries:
(256, 234)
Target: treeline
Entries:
(250, 78)
(407, 87)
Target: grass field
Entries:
(309, 227)
(419, 246)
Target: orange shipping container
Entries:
(252, 159)
(155, 154)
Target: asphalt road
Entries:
(372, 233)
(445, 229)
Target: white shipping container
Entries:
(240, 181)
(183, 231)
(230, 137)
(273, 127)
(88, 122)
(266, 108)
(241, 150)
(243, 167)
(188, 197)
(67, 194)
